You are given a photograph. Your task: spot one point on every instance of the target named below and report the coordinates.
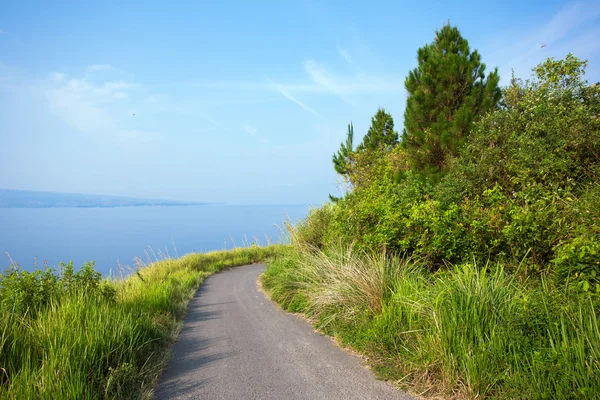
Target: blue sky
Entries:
(236, 102)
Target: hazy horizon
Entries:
(136, 198)
(235, 102)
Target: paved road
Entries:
(236, 344)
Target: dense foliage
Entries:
(465, 260)
(524, 188)
(446, 92)
(381, 133)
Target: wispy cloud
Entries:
(139, 136)
(209, 119)
(154, 99)
(574, 28)
(355, 84)
(57, 76)
(169, 104)
(281, 89)
(321, 77)
(100, 67)
(9, 74)
(92, 108)
(249, 130)
(344, 54)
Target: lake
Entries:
(110, 236)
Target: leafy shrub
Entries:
(577, 254)
(507, 196)
(311, 231)
(25, 292)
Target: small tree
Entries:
(446, 92)
(380, 138)
(381, 133)
(341, 159)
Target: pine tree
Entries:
(446, 92)
(381, 133)
(341, 159)
(381, 136)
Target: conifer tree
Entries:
(446, 92)
(381, 133)
(341, 159)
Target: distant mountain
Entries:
(33, 199)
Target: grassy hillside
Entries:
(478, 276)
(74, 335)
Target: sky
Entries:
(233, 101)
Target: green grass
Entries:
(74, 335)
(471, 331)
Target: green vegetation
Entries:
(470, 331)
(446, 93)
(341, 159)
(465, 261)
(74, 335)
(381, 133)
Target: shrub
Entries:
(311, 230)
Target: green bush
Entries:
(24, 292)
(577, 253)
(508, 196)
(312, 229)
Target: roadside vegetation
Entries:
(464, 258)
(73, 335)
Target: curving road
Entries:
(236, 344)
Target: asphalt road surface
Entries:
(236, 344)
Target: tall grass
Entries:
(74, 335)
(472, 331)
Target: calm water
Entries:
(106, 235)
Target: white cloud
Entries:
(93, 108)
(164, 103)
(57, 76)
(138, 136)
(100, 67)
(71, 103)
(321, 77)
(286, 94)
(250, 130)
(153, 99)
(344, 54)
(209, 119)
(357, 84)
(574, 28)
